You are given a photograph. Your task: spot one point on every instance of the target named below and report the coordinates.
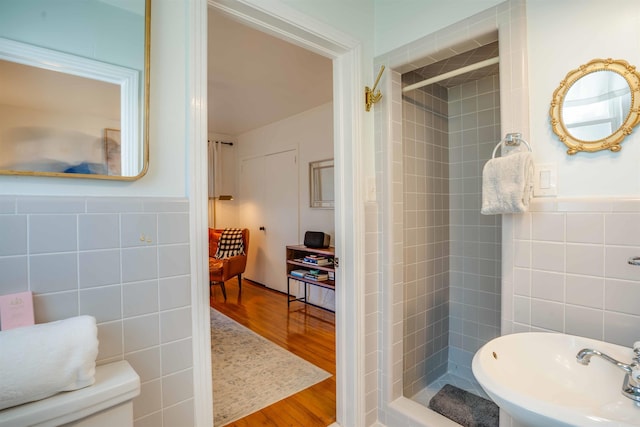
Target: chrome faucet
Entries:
(631, 383)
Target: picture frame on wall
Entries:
(113, 151)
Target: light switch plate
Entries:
(545, 180)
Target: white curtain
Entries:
(215, 168)
(215, 174)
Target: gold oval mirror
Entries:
(75, 88)
(596, 106)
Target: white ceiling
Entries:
(255, 79)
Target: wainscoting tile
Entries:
(547, 285)
(15, 275)
(172, 324)
(173, 260)
(547, 256)
(53, 233)
(138, 229)
(99, 268)
(166, 205)
(584, 290)
(622, 296)
(50, 205)
(177, 387)
(585, 259)
(110, 338)
(114, 205)
(151, 420)
(176, 356)
(141, 332)
(8, 204)
(52, 307)
(149, 400)
(146, 363)
(548, 226)
(13, 229)
(98, 231)
(173, 228)
(621, 329)
(103, 303)
(179, 415)
(174, 292)
(622, 229)
(616, 263)
(139, 264)
(585, 322)
(139, 298)
(585, 228)
(547, 315)
(53, 273)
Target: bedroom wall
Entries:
(311, 132)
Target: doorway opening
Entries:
(253, 146)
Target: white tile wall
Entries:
(124, 261)
(580, 280)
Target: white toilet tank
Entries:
(107, 403)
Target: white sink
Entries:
(536, 379)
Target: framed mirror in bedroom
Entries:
(321, 188)
(75, 88)
(596, 106)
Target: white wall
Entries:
(400, 22)
(562, 36)
(167, 175)
(311, 132)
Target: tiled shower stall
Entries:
(452, 253)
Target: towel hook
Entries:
(511, 140)
(370, 95)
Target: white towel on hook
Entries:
(507, 184)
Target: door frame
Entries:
(288, 24)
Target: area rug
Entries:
(465, 408)
(250, 372)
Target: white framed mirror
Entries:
(76, 88)
(321, 185)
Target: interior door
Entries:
(252, 186)
(269, 208)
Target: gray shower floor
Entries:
(472, 386)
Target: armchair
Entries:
(221, 270)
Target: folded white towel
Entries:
(41, 360)
(507, 184)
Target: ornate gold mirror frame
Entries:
(628, 118)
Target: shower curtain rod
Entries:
(452, 73)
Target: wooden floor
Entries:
(307, 331)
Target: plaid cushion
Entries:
(230, 243)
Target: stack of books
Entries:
(316, 275)
(298, 273)
(316, 260)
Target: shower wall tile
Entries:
(84, 255)
(475, 238)
(600, 287)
